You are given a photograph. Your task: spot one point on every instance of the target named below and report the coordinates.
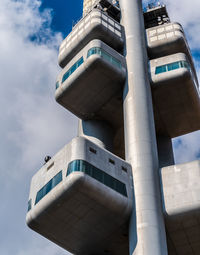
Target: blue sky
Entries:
(63, 19)
(32, 124)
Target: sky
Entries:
(33, 125)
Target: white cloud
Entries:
(187, 13)
(187, 147)
(28, 71)
(32, 123)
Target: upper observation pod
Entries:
(165, 40)
(90, 80)
(96, 25)
(155, 15)
(175, 95)
(82, 200)
(111, 7)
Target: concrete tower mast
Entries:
(147, 233)
(128, 75)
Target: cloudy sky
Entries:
(32, 125)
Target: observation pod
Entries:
(165, 40)
(181, 187)
(96, 25)
(82, 199)
(175, 95)
(90, 81)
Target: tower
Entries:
(129, 77)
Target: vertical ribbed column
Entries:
(147, 231)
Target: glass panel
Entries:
(88, 170)
(109, 181)
(161, 69)
(185, 64)
(182, 63)
(173, 66)
(116, 62)
(29, 205)
(98, 51)
(80, 62)
(97, 174)
(121, 188)
(101, 176)
(57, 179)
(48, 187)
(105, 55)
(83, 166)
(72, 69)
(65, 76)
(57, 84)
(74, 166)
(39, 196)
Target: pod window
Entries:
(92, 150)
(111, 161)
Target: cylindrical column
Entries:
(98, 132)
(146, 231)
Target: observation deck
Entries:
(165, 40)
(89, 84)
(96, 25)
(176, 95)
(181, 187)
(82, 200)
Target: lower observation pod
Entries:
(175, 95)
(89, 82)
(181, 187)
(82, 199)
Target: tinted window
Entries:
(161, 69)
(173, 66)
(96, 173)
(57, 84)
(29, 205)
(72, 69)
(48, 187)
(104, 55)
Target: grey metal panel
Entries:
(96, 25)
(81, 214)
(93, 84)
(181, 189)
(176, 98)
